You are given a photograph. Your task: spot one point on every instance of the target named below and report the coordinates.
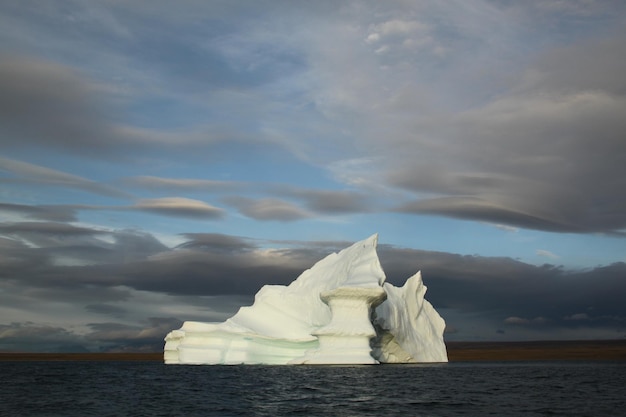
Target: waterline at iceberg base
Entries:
(341, 311)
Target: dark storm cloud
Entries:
(206, 264)
(200, 272)
(9, 244)
(35, 247)
(213, 264)
(71, 293)
(108, 336)
(121, 337)
(41, 338)
(154, 330)
(44, 239)
(494, 287)
(504, 287)
(106, 309)
(503, 290)
(501, 287)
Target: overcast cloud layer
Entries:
(161, 162)
(114, 278)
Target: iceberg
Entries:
(340, 311)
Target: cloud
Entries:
(64, 107)
(499, 127)
(109, 337)
(592, 66)
(516, 320)
(50, 237)
(179, 184)
(475, 208)
(48, 104)
(509, 114)
(40, 338)
(519, 321)
(576, 8)
(405, 33)
(546, 254)
(46, 228)
(165, 206)
(213, 264)
(31, 247)
(509, 229)
(329, 201)
(503, 287)
(336, 202)
(51, 213)
(27, 173)
(216, 242)
(546, 155)
(210, 272)
(268, 209)
(106, 309)
(180, 207)
(116, 337)
(578, 317)
(110, 275)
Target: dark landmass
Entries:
(614, 350)
(25, 356)
(537, 351)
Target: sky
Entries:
(162, 161)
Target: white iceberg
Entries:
(340, 311)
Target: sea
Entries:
(148, 388)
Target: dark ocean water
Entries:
(455, 389)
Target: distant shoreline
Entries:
(457, 352)
(56, 357)
(537, 350)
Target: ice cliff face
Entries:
(338, 312)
